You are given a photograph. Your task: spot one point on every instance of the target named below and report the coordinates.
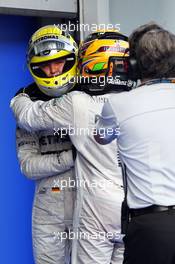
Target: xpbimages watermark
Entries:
(103, 236)
(80, 183)
(72, 27)
(100, 80)
(84, 131)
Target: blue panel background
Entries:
(16, 192)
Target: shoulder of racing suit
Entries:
(34, 92)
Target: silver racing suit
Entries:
(97, 235)
(47, 159)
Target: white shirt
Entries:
(146, 117)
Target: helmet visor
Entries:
(49, 47)
(54, 67)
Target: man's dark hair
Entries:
(153, 48)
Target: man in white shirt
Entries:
(143, 123)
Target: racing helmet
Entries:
(50, 46)
(105, 53)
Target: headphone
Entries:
(133, 65)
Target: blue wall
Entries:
(16, 192)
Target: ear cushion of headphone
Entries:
(133, 69)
